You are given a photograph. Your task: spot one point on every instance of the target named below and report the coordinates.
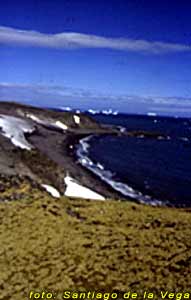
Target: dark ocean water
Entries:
(156, 171)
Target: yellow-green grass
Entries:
(58, 244)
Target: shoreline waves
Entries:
(82, 152)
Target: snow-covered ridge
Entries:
(74, 189)
(14, 129)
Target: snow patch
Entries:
(57, 124)
(35, 118)
(14, 128)
(76, 119)
(61, 125)
(74, 189)
(51, 190)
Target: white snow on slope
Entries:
(61, 125)
(76, 119)
(35, 118)
(14, 129)
(57, 124)
(74, 189)
(51, 190)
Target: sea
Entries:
(154, 171)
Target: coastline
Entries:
(54, 153)
(106, 176)
(61, 149)
(87, 177)
(52, 156)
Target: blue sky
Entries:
(133, 56)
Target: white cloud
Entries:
(72, 40)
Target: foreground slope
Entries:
(57, 244)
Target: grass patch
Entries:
(49, 244)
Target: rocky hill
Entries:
(40, 143)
